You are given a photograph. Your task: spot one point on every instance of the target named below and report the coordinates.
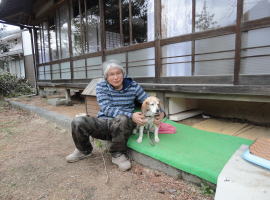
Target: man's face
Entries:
(115, 78)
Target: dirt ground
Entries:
(32, 166)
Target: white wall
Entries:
(26, 38)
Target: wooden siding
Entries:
(91, 106)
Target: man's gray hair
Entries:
(107, 65)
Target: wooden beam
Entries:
(158, 65)
(237, 55)
(200, 35)
(130, 22)
(255, 24)
(102, 29)
(130, 48)
(193, 41)
(120, 22)
(70, 47)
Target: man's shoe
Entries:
(121, 161)
(76, 156)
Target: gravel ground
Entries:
(32, 152)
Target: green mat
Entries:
(197, 152)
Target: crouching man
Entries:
(116, 96)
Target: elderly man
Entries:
(116, 96)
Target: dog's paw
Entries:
(157, 140)
(139, 140)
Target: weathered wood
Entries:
(188, 80)
(193, 41)
(237, 55)
(255, 24)
(255, 80)
(130, 48)
(199, 35)
(70, 46)
(210, 89)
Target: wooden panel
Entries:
(188, 80)
(210, 89)
(238, 42)
(92, 106)
(254, 80)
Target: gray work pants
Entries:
(116, 130)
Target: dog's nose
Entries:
(158, 110)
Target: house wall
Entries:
(154, 42)
(16, 66)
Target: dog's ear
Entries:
(144, 106)
(161, 107)
(160, 104)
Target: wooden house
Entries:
(216, 53)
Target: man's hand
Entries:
(138, 118)
(158, 118)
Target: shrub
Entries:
(11, 86)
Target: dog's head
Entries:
(151, 106)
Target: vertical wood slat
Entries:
(42, 44)
(36, 49)
(56, 35)
(36, 45)
(193, 41)
(157, 12)
(102, 30)
(130, 22)
(121, 24)
(86, 27)
(42, 36)
(81, 27)
(86, 37)
(126, 54)
(50, 51)
(86, 108)
(40, 58)
(237, 59)
(70, 39)
(24, 62)
(33, 46)
(60, 38)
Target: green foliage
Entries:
(205, 20)
(206, 189)
(11, 86)
(98, 144)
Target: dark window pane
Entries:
(125, 22)
(212, 14)
(112, 25)
(142, 21)
(53, 44)
(39, 46)
(63, 12)
(92, 22)
(256, 9)
(46, 42)
(77, 31)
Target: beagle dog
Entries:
(150, 108)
